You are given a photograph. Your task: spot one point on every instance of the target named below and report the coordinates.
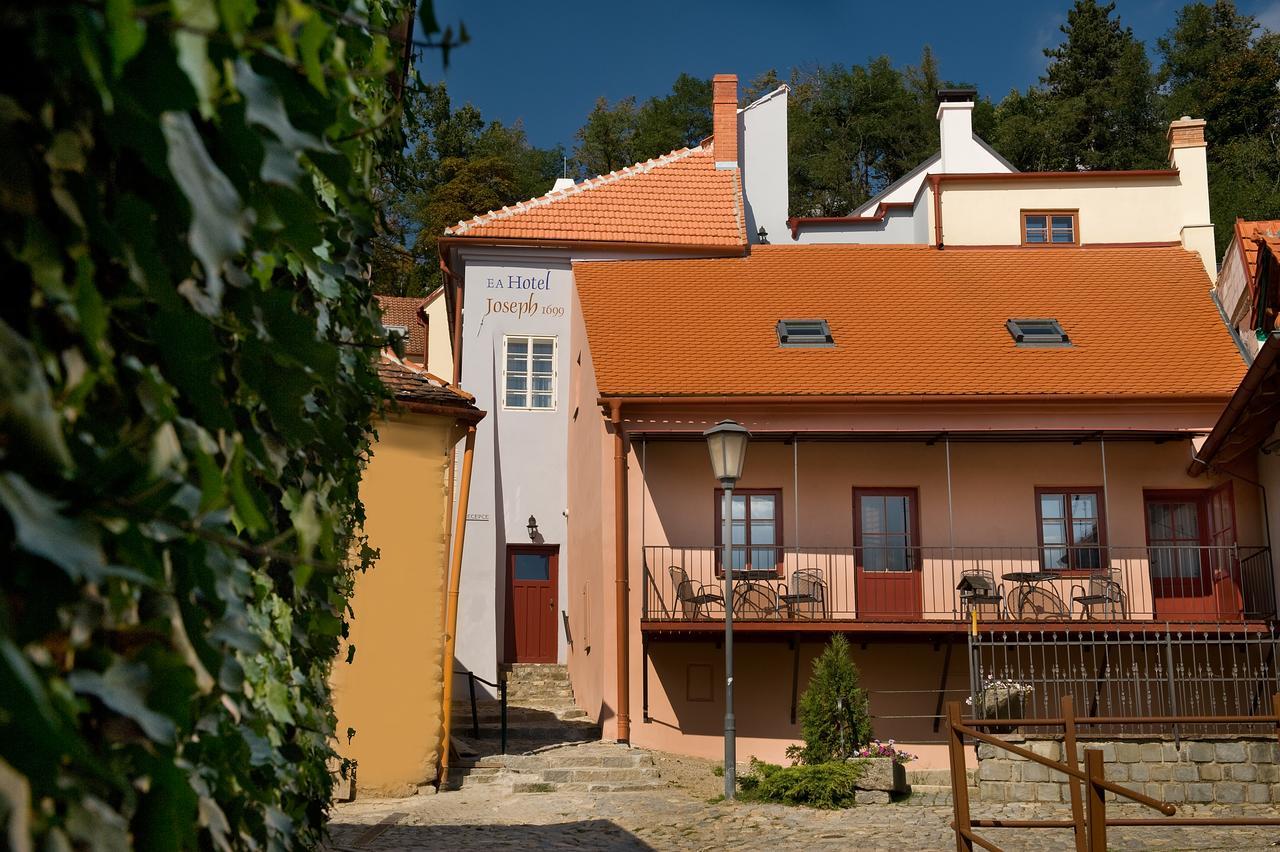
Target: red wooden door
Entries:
(1190, 537)
(531, 604)
(886, 535)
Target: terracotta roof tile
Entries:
(410, 384)
(403, 310)
(1247, 234)
(908, 320)
(680, 198)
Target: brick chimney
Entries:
(1187, 154)
(724, 119)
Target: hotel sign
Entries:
(521, 308)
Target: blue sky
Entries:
(545, 63)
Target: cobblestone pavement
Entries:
(681, 817)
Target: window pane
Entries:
(762, 532)
(542, 400)
(1054, 532)
(516, 400)
(873, 515)
(1040, 222)
(1063, 223)
(761, 506)
(517, 345)
(1185, 523)
(542, 366)
(532, 566)
(1063, 236)
(517, 382)
(739, 506)
(1055, 559)
(516, 364)
(896, 514)
(764, 559)
(1159, 523)
(1084, 507)
(739, 532)
(1051, 506)
(542, 383)
(874, 559)
(543, 347)
(1084, 532)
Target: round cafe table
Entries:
(1029, 602)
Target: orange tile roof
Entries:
(403, 310)
(1246, 235)
(410, 384)
(680, 198)
(908, 320)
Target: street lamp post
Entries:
(727, 444)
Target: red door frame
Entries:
(527, 640)
(1213, 594)
(889, 595)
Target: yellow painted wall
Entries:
(391, 693)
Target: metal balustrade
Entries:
(1197, 584)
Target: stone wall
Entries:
(1229, 771)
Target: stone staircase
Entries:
(932, 787)
(551, 744)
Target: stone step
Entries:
(524, 669)
(462, 715)
(591, 787)
(599, 775)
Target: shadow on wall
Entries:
(585, 834)
(902, 681)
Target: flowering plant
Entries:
(875, 748)
(1005, 688)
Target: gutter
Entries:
(453, 240)
(790, 399)
(451, 622)
(882, 210)
(1230, 417)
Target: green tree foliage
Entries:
(834, 718)
(622, 134)
(455, 166)
(1096, 108)
(1219, 65)
(186, 399)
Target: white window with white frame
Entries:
(529, 373)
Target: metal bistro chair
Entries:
(979, 593)
(692, 598)
(1102, 597)
(1037, 603)
(807, 595)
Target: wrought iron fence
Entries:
(1167, 672)
(1007, 583)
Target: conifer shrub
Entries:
(829, 785)
(834, 718)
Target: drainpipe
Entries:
(621, 619)
(935, 181)
(455, 575)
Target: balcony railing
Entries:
(1212, 584)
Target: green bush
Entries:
(834, 719)
(819, 785)
(186, 400)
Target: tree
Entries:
(682, 119)
(1218, 66)
(606, 141)
(1099, 105)
(834, 717)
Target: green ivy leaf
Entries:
(265, 107)
(218, 222)
(125, 33)
(41, 529)
(123, 688)
(27, 414)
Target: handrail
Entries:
(501, 686)
(1090, 822)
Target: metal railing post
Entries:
(959, 780)
(502, 694)
(1096, 803)
(475, 715)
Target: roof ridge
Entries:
(642, 167)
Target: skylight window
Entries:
(1033, 333)
(809, 333)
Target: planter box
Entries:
(881, 773)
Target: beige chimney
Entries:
(724, 119)
(1187, 154)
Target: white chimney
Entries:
(960, 153)
(562, 183)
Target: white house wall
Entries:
(762, 139)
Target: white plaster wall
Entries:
(519, 467)
(762, 139)
(897, 228)
(439, 355)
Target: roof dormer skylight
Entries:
(1037, 333)
(804, 333)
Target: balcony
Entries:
(782, 588)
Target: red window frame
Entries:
(1074, 570)
(751, 571)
